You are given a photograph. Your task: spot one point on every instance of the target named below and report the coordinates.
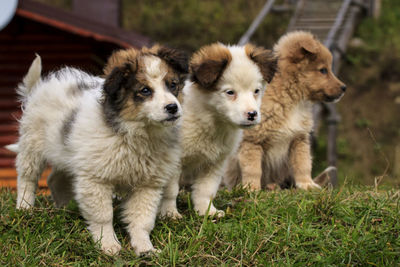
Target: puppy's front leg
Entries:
(301, 163)
(168, 204)
(95, 203)
(140, 211)
(204, 190)
(250, 158)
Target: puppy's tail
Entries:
(323, 178)
(13, 148)
(31, 78)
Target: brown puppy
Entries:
(277, 151)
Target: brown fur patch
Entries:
(264, 59)
(296, 46)
(208, 64)
(120, 58)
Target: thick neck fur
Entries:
(208, 117)
(286, 86)
(282, 99)
(202, 122)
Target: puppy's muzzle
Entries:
(252, 115)
(336, 98)
(171, 109)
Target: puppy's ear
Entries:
(309, 49)
(177, 59)
(120, 58)
(208, 72)
(264, 59)
(306, 48)
(208, 64)
(118, 78)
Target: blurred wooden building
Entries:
(82, 37)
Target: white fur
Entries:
(94, 160)
(211, 131)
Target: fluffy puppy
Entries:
(102, 136)
(277, 151)
(222, 97)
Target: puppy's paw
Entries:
(253, 186)
(26, 200)
(272, 187)
(219, 214)
(308, 185)
(144, 248)
(212, 212)
(174, 215)
(111, 247)
(24, 206)
(170, 212)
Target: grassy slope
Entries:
(350, 226)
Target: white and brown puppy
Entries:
(222, 97)
(277, 151)
(104, 136)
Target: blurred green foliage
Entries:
(192, 23)
(384, 32)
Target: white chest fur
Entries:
(298, 122)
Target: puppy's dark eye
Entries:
(230, 92)
(256, 91)
(145, 91)
(323, 70)
(173, 86)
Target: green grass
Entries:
(349, 226)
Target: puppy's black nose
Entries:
(343, 87)
(251, 115)
(171, 108)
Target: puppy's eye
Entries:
(145, 91)
(257, 91)
(230, 92)
(323, 70)
(173, 86)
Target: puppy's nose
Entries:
(343, 87)
(171, 108)
(251, 115)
